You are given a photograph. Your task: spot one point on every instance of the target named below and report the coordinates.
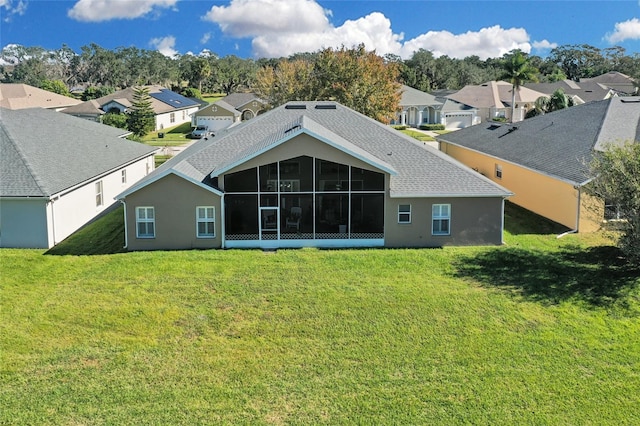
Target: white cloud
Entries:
(544, 45)
(284, 27)
(248, 18)
(486, 43)
(165, 45)
(205, 38)
(12, 7)
(627, 30)
(105, 10)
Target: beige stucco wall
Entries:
(209, 111)
(298, 146)
(474, 221)
(552, 198)
(175, 201)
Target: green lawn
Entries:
(539, 331)
(418, 135)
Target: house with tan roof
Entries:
(21, 96)
(312, 174)
(170, 108)
(493, 100)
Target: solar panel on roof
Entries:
(172, 98)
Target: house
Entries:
(620, 83)
(493, 100)
(216, 116)
(228, 111)
(170, 108)
(21, 96)
(544, 160)
(580, 92)
(419, 108)
(312, 174)
(57, 179)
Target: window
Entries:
(440, 219)
(99, 193)
(145, 222)
(205, 222)
(172, 117)
(124, 176)
(498, 171)
(404, 213)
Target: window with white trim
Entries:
(99, 199)
(205, 222)
(172, 117)
(441, 219)
(145, 222)
(123, 176)
(404, 213)
(498, 171)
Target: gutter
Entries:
(223, 231)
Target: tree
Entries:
(55, 86)
(288, 81)
(558, 100)
(617, 182)
(115, 119)
(141, 119)
(517, 71)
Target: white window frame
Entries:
(99, 194)
(437, 216)
(172, 117)
(206, 219)
(404, 216)
(499, 171)
(123, 175)
(144, 218)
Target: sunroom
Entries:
(304, 201)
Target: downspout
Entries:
(126, 233)
(504, 199)
(53, 221)
(223, 231)
(573, 231)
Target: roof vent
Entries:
(326, 106)
(291, 129)
(630, 100)
(295, 106)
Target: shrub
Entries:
(431, 127)
(400, 127)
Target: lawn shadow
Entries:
(518, 221)
(597, 275)
(102, 235)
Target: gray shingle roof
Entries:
(239, 99)
(420, 170)
(45, 152)
(559, 144)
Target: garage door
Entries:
(458, 121)
(215, 123)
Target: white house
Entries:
(54, 181)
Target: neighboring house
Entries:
(423, 108)
(57, 179)
(580, 92)
(493, 100)
(312, 174)
(620, 83)
(248, 104)
(228, 111)
(216, 116)
(21, 96)
(544, 160)
(169, 107)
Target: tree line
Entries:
(102, 69)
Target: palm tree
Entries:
(518, 70)
(544, 104)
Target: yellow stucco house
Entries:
(544, 160)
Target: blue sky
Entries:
(275, 28)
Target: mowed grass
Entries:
(539, 331)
